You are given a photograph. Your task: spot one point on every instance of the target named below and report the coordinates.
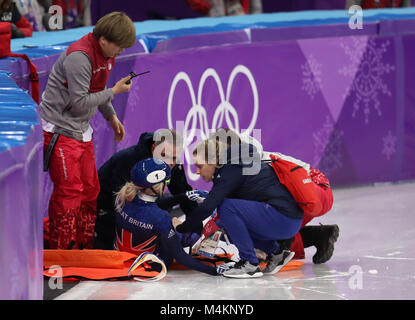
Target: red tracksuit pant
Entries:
(72, 205)
(326, 197)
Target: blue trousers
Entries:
(252, 224)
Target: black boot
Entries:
(323, 238)
(285, 244)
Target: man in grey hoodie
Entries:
(76, 89)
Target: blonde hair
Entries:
(116, 27)
(129, 191)
(231, 136)
(212, 150)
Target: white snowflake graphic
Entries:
(368, 69)
(389, 145)
(327, 143)
(312, 74)
(355, 53)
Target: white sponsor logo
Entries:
(99, 69)
(171, 234)
(308, 180)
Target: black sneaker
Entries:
(323, 238)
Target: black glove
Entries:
(16, 32)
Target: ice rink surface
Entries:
(374, 258)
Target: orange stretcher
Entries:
(112, 265)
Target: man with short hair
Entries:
(76, 89)
(165, 144)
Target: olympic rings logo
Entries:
(225, 111)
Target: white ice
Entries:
(374, 258)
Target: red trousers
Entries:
(326, 197)
(72, 205)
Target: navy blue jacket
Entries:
(229, 181)
(114, 173)
(143, 227)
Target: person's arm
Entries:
(230, 179)
(109, 114)
(171, 242)
(169, 200)
(107, 109)
(78, 70)
(118, 127)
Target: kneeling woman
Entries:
(255, 210)
(141, 226)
